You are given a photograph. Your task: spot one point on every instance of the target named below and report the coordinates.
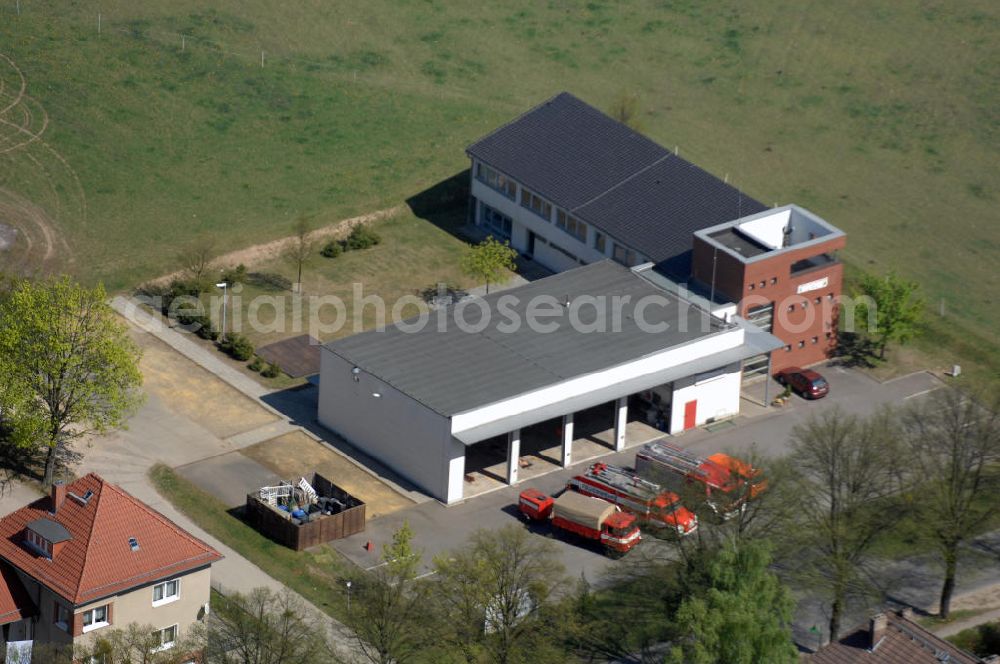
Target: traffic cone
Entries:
(369, 546)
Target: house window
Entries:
(750, 287)
(39, 543)
(624, 256)
(774, 280)
(61, 617)
(164, 593)
(815, 340)
(571, 225)
(497, 222)
(802, 344)
(762, 284)
(788, 348)
(492, 179)
(535, 203)
(600, 242)
(95, 618)
(829, 296)
(791, 307)
(817, 300)
(165, 638)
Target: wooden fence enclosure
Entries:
(318, 529)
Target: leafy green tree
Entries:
(847, 487)
(68, 363)
(389, 615)
(743, 614)
(488, 260)
(898, 308)
(494, 598)
(136, 644)
(953, 445)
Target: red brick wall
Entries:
(798, 318)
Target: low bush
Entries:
(235, 275)
(236, 346)
(272, 370)
(256, 365)
(332, 249)
(361, 237)
(269, 281)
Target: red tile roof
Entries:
(904, 642)
(98, 560)
(15, 603)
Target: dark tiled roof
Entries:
(97, 560)
(904, 642)
(451, 370)
(15, 603)
(611, 176)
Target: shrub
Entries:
(332, 249)
(269, 281)
(256, 365)
(235, 275)
(361, 237)
(237, 346)
(271, 371)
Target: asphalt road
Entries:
(439, 528)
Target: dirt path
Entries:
(260, 253)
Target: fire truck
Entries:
(589, 518)
(653, 505)
(728, 482)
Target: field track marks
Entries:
(22, 88)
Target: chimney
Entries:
(906, 613)
(58, 495)
(876, 629)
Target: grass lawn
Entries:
(149, 137)
(316, 575)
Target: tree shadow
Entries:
(856, 351)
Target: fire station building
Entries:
(419, 395)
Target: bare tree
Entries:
(196, 258)
(389, 615)
(493, 596)
(626, 109)
(953, 445)
(302, 248)
(264, 627)
(847, 485)
(134, 644)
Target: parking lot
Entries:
(439, 528)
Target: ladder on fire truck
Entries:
(675, 458)
(624, 480)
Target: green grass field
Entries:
(883, 117)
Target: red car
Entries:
(807, 383)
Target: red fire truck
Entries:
(728, 482)
(654, 505)
(590, 518)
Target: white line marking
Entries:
(920, 394)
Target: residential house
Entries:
(89, 557)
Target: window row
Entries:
(805, 303)
(762, 283)
(571, 225)
(802, 344)
(536, 204)
(496, 221)
(495, 180)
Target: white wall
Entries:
(525, 220)
(718, 396)
(400, 432)
(581, 385)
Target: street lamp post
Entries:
(224, 285)
(348, 596)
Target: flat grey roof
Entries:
(51, 530)
(611, 176)
(452, 370)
